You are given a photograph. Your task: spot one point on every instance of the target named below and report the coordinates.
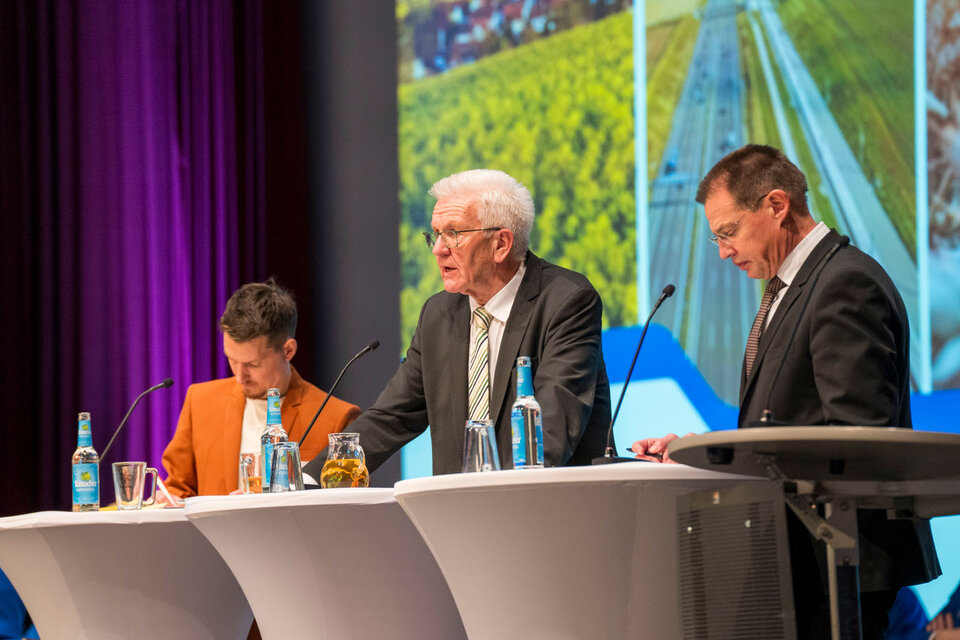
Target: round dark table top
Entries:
(826, 453)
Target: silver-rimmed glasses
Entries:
(727, 236)
(450, 237)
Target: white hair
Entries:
(499, 200)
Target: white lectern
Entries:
(563, 553)
(334, 563)
(121, 574)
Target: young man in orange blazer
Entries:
(223, 417)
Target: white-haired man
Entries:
(499, 302)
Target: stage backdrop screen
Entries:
(610, 112)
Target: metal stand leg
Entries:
(839, 531)
(844, 598)
(843, 560)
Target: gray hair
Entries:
(498, 199)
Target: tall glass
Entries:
(285, 473)
(346, 466)
(480, 447)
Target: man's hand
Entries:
(643, 448)
(165, 498)
(941, 622)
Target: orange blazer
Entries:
(204, 455)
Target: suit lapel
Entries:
(233, 429)
(290, 409)
(513, 334)
(786, 308)
(457, 352)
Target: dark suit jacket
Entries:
(849, 365)
(555, 320)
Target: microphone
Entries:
(766, 418)
(609, 454)
(166, 383)
(367, 349)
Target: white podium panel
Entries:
(120, 575)
(560, 554)
(335, 563)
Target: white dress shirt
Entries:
(792, 263)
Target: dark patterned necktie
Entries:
(753, 340)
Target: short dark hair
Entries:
(260, 309)
(753, 171)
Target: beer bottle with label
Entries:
(272, 434)
(86, 468)
(526, 420)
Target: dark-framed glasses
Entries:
(451, 237)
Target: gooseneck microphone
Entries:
(367, 349)
(609, 455)
(766, 418)
(164, 384)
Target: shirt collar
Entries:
(795, 259)
(501, 303)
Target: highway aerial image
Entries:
(810, 77)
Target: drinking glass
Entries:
(285, 472)
(250, 479)
(346, 465)
(480, 447)
(128, 481)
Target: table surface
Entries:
(196, 506)
(805, 453)
(623, 472)
(61, 518)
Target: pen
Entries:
(658, 456)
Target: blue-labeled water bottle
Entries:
(526, 419)
(86, 468)
(272, 434)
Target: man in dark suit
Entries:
(499, 302)
(848, 365)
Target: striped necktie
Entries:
(753, 340)
(479, 382)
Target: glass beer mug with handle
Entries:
(346, 465)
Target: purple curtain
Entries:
(132, 200)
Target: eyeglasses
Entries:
(450, 237)
(727, 236)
